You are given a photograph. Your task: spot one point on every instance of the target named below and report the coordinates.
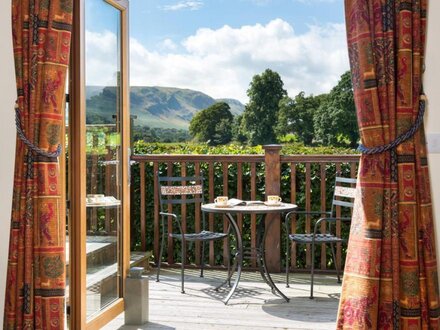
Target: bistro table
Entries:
(251, 208)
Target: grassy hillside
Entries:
(165, 107)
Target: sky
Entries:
(217, 46)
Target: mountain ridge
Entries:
(154, 106)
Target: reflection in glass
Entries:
(103, 154)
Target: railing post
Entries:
(272, 184)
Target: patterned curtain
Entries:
(390, 279)
(36, 266)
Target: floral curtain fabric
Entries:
(390, 279)
(36, 266)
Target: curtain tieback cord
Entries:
(401, 138)
(28, 143)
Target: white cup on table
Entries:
(273, 199)
(221, 200)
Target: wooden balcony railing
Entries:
(306, 180)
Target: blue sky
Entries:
(152, 20)
(217, 46)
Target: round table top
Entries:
(250, 209)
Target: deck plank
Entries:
(252, 307)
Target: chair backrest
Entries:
(180, 190)
(344, 193)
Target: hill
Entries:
(165, 107)
(236, 106)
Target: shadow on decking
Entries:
(253, 306)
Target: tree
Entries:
(238, 130)
(335, 121)
(157, 134)
(261, 113)
(213, 124)
(296, 116)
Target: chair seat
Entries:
(319, 238)
(202, 236)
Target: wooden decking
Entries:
(252, 307)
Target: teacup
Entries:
(273, 199)
(221, 200)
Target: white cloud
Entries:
(168, 44)
(191, 5)
(101, 58)
(222, 62)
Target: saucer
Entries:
(273, 204)
(222, 206)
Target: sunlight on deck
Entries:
(253, 306)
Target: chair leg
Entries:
(312, 270)
(287, 261)
(338, 269)
(229, 265)
(162, 242)
(183, 265)
(202, 265)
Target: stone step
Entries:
(104, 281)
(100, 250)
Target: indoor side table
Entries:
(260, 209)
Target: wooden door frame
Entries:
(77, 145)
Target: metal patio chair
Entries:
(179, 191)
(343, 196)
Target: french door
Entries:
(98, 163)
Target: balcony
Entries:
(306, 180)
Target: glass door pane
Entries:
(103, 154)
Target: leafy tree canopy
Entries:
(238, 130)
(261, 113)
(335, 120)
(296, 116)
(157, 134)
(213, 124)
